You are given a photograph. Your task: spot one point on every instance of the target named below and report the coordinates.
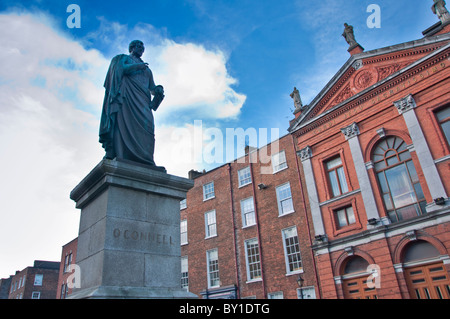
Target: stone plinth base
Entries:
(129, 236)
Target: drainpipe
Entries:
(306, 218)
(257, 227)
(238, 290)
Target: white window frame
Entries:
(183, 232)
(183, 204)
(210, 224)
(279, 162)
(250, 260)
(38, 279)
(275, 295)
(208, 191)
(36, 295)
(208, 269)
(279, 189)
(247, 210)
(244, 176)
(185, 272)
(286, 254)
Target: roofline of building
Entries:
(237, 159)
(386, 50)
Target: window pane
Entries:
(334, 183)
(405, 156)
(208, 190)
(400, 186)
(248, 212)
(334, 163)
(342, 180)
(408, 212)
(253, 264)
(380, 165)
(392, 160)
(287, 206)
(388, 202)
(244, 176)
(279, 161)
(342, 220)
(292, 250)
(350, 215)
(446, 129)
(443, 114)
(383, 185)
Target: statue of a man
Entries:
(349, 35)
(127, 129)
(295, 95)
(439, 9)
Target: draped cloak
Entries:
(126, 124)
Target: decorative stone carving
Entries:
(405, 104)
(381, 132)
(358, 64)
(364, 79)
(385, 71)
(345, 94)
(350, 131)
(440, 10)
(305, 153)
(295, 95)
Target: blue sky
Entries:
(229, 64)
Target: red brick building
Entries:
(67, 270)
(37, 282)
(244, 231)
(374, 148)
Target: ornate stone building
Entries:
(374, 149)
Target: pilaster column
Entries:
(305, 155)
(351, 133)
(406, 107)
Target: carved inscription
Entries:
(133, 235)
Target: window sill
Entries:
(243, 185)
(295, 272)
(288, 213)
(209, 198)
(253, 280)
(210, 236)
(280, 170)
(248, 226)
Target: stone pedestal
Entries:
(129, 236)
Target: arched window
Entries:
(399, 184)
(355, 279)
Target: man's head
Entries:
(136, 48)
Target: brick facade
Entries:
(387, 94)
(232, 233)
(37, 282)
(67, 275)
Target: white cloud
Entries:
(47, 144)
(196, 78)
(51, 92)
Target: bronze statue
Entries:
(127, 129)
